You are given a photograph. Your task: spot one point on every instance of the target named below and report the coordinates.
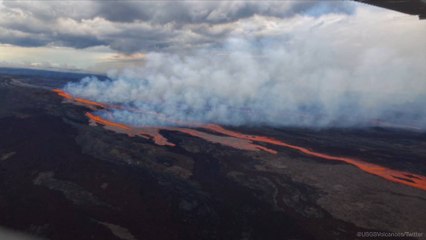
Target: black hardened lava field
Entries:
(66, 173)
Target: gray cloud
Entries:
(213, 11)
(131, 26)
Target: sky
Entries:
(101, 35)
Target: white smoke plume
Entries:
(330, 71)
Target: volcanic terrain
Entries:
(67, 173)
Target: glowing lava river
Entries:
(237, 140)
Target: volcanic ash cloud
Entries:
(321, 73)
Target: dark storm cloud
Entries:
(211, 12)
(78, 41)
(131, 26)
(24, 41)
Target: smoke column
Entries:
(316, 72)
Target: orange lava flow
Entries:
(105, 122)
(413, 180)
(152, 133)
(240, 141)
(83, 101)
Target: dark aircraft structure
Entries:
(412, 7)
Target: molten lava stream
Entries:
(152, 133)
(392, 175)
(89, 103)
(239, 141)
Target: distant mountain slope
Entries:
(46, 73)
(46, 78)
